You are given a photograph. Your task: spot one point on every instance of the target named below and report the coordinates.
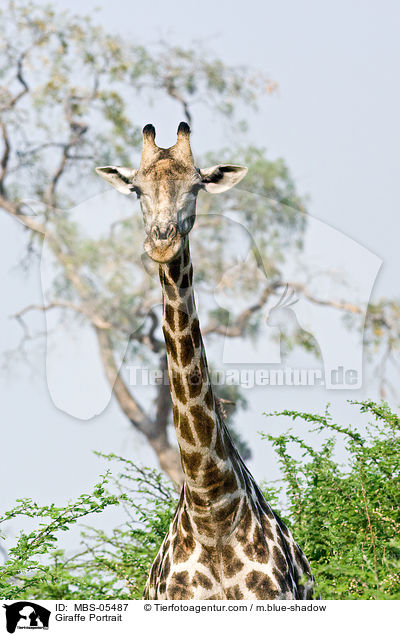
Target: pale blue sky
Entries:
(334, 120)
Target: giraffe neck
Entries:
(209, 460)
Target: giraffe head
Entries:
(167, 184)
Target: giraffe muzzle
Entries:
(163, 244)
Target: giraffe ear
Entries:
(120, 178)
(222, 177)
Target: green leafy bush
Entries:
(346, 518)
(108, 565)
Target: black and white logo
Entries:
(26, 615)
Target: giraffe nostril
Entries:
(171, 233)
(155, 233)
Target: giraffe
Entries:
(224, 541)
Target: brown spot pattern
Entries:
(183, 547)
(261, 585)
(227, 511)
(189, 303)
(279, 559)
(280, 542)
(230, 484)
(185, 521)
(170, 316)
(191, 463)
(178, 588)
(186, 257)
(185, 430)
(282, 580)
(204, 424)
(165, 568)
(179, 389)
(170, 345)
(187, 350)
(195, 382)
(196, 333)
(211, 474)
(204, 526)
(202, 580)
(244, 527)
(257, 549)
(175, 270)
(209, 398)
(185, 284)
(230, 561)
(220, 447)
(183, 319)
(209, 558)
(267, 529)
(195, 498)
(234, 593)
(170, 291)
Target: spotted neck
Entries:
(210, 462)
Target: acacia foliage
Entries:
(107, 565)
(346, 519)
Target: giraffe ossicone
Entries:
(224, 541)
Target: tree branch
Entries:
(172, 92)
(21, 79)
(238, 327)
(129, 405)
(149, 339)
(77, 130)
(15, 211)
(154, 431)
(96, 320)
(5, 157)
(49, 195)
(40, 147)
(342, 305)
